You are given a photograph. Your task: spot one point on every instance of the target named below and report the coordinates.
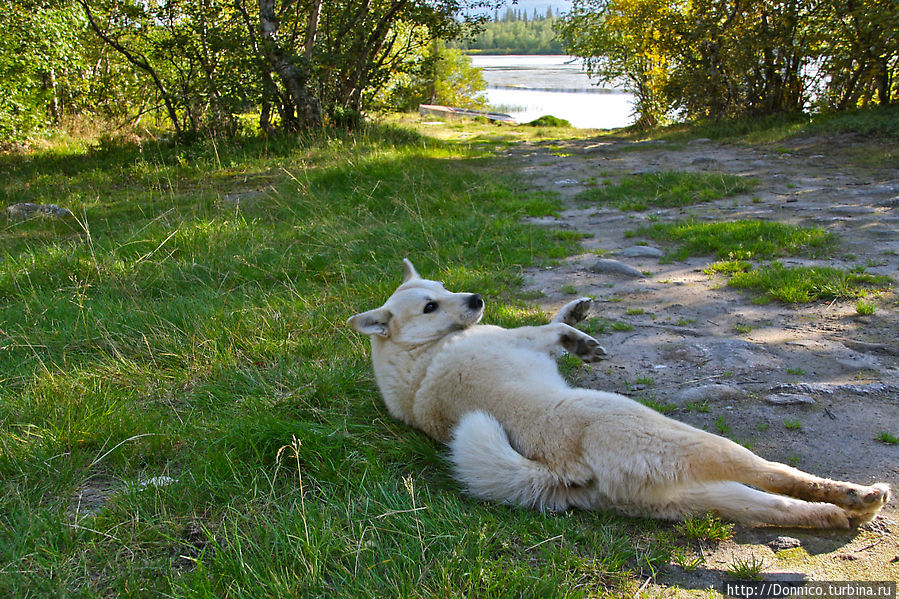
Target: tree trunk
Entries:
(307, 113)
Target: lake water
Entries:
(527, 87)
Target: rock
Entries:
(704, 161)
(641, 251)
(720, 355)
(851, 210)
(28, 210)
(789, 399)
(711, 393)
(239, 197)
(699, 140)
(872, 348)
(605, 266)
(567, 182)
(830, 389)
(782, 543)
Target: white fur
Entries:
(519, 434)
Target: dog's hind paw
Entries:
(574, 312)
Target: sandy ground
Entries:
(718, 360)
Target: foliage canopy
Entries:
(710, 58)
(298, 64)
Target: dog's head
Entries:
(420, 311)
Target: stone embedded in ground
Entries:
(704, 161)
(699, 140)
(711, 393)
(716, 355)
(789, 399)
(851, 210)
(614, 267)
(641, 251)
(782, 543)
(28, 210)
(239, 197)
(830, 388)
(567, 182)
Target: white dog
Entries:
(519, 434)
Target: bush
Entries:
(548, 120)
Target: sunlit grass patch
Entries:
(667, 189)
(740, 240)
(797, 285)
(171, 333)
(727, 267)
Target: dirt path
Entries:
(688, 330)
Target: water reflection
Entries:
(527, 87)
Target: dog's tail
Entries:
(491, 469)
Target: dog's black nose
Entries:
(475, 302)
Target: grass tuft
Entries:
(735, 242)
(807, 284)
(667, 189)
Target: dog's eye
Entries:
(430, 307)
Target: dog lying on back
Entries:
(519, 434)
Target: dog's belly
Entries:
(543, 416)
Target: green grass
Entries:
(166, 332)
(734, 242)
(863, 308)
(707, 527)
(878, 122)
(887, 437)
(748, 568)
(798, 285)
(667, 189)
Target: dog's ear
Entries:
(373, 322)
(409, 271)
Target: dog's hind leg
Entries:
(724, 460)
(752, 507)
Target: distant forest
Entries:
(515, 32)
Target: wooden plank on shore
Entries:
(450, 112)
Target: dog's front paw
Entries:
(583, 346)
(574, 312)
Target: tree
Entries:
(860, 54)
(625, 43)
(721, 58)
(40, 55)
(444, 76)
(310, 62)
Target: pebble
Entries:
(605, 266)
(567, 182)
(782, 543)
